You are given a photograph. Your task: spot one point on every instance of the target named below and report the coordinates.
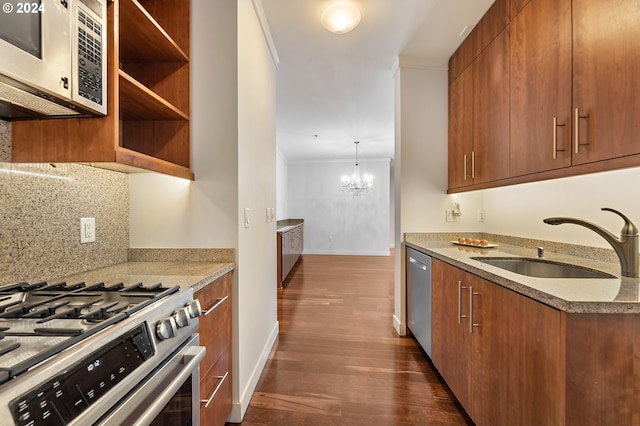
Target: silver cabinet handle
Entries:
(460, 288)
(576, 129)
(471, 324)
(473, 164)
(465, 166)
(206, 402)
(214, 307)
(418, 263)
(555, 137)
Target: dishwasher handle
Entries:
(418, 263)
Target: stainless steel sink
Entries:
(542, 268)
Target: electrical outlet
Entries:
(451, 216)
(480, 215)
(87, 230)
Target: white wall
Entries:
(257, 288)
(520, 209)
(233, 157)
(420, 167)
(336, 222)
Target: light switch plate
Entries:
(87, 230)
(247, 218)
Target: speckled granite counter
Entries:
(616, 295)
(195, 268)
(288, 224)
(185, 274)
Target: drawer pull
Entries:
(555, 137)
(206, 402)
(460, 288)
(576, 129)
(214, 307)
(471, 324)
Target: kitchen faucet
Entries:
(626, 247)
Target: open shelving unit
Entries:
(147, 125)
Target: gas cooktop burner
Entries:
(40, 320)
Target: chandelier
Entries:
(356, 184)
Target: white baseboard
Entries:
(401, 328)
(239, 408)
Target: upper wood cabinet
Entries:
(540, 60)
(572, 90)
(147, 125)
(492, 23)
(461, 130)
(491, 111)
(606, 88)
(479, 118)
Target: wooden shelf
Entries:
(147, 126)
(137, 102)
(139, 160)
(142, 39)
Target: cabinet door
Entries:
(451, 344)
(218, 385)
(491, 111)
(460, 129)
(540, 80)
(606, 60)
(517, 369)
(215, 327)
(215, 335)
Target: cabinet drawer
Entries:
(215, 327)
(215, 388)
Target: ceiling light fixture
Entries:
(355, 184)
(340, 17)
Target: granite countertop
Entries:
(286, 225)
(611, 295)
(287, 228)
(194, 275)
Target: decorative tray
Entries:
(474, 245)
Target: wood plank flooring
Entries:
(338, 360)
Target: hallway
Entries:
(338, 360)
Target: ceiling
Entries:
(334, 89)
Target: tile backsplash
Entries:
(40, 210)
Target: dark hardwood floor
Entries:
(338, 360)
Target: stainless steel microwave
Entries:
(53, 58)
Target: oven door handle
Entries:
(191, 360)
(144, 405)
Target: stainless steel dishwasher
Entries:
(419, 297)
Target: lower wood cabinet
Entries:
(499, 352)
(289, 248)
(511, 360)
(215, 368)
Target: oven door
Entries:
(169, 396)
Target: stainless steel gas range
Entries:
(78, 354)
